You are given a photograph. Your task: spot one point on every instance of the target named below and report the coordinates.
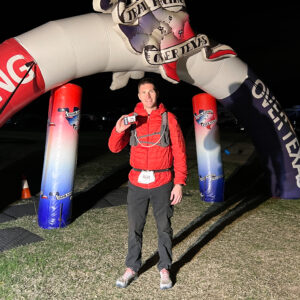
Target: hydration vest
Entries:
(164, 134)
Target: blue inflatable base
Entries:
(60, 212)
(212, 190)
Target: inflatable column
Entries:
(210, 169)
(60, 157)
(273, 136)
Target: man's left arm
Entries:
(179, 154)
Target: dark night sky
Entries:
(265, 37)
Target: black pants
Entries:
(138, 200)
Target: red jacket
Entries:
(156, 157)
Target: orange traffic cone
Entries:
(25, 189)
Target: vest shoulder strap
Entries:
(164, 131)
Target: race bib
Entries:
(146, 177)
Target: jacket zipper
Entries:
(148, 121)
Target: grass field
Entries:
(245, 248)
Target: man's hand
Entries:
(176, 194)
(120, 126)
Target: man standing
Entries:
(159, 171)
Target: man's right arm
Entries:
(119, 136)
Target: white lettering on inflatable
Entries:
(260, 92)
(294, 151)
(6, 83)
(275, 107)
(292, 144)
(64, 196)
(287, 136)
(258, 83)
(12, 73)
(270, 112)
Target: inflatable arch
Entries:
(153, 36)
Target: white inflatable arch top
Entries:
(88, 44)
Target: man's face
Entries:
(148, 96)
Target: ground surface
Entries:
(246, 247)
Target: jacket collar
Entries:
(139, 109)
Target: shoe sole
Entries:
(120, 285)
(166, 287)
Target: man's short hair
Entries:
(147, 80)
